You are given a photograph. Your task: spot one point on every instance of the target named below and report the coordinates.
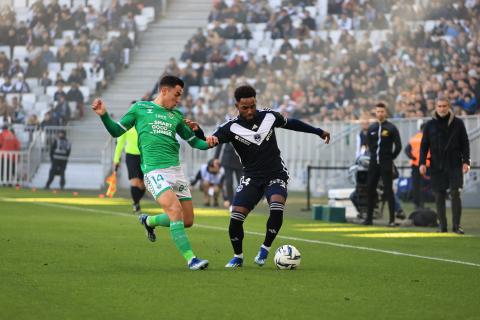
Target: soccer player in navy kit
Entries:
(252, 135)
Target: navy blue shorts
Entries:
(250, 190)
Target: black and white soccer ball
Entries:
(287, 257)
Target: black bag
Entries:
(424, 217)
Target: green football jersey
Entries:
(157, 128)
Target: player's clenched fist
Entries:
(99, 106)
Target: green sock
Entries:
(177, 231)
(158, 220)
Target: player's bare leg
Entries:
(174, 210)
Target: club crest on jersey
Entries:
(170, 115)
(149, 110)
(257, 137)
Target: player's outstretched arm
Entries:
(114, 128)
(196, 128)
(298, 125)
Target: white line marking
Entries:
(327, 243)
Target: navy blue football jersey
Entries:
(255, 142)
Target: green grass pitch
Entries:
(81, 257)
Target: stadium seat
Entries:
(113, 33)
(149, 13)
(20, 4)
(40, 106)
(29, 98)
(9, 97)
(19, 52)
(6, 50)
(54, 50)
(54, 67)
(258, 35)
(86, 92)
(68, 34)
(141, 22)
(275, 3)
(22, 14)
(32, 83)
(194, 91)
(312, 10)
(69, 66)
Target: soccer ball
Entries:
(287, 257)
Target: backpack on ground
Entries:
(424, 217)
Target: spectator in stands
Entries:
(4, 64)
(76, 96)
(7, 86)
(59, 153)
(15, 68)
(130, 25)
(130, 8)
(8, 142)
(62, 110)
(98, 75)
(49, 119)
(32, 124)
(20, 85)
(245, 32)
(230, 31)
(127, 45)
(75, 77)
(308, 21)
(60, 92)
(35, 68)
(45, 81)
(113, 14)
(6, 110)
(19, 112)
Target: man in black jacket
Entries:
(446, 138)
(59, 153)
(381, 137)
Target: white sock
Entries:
(265, 247)
(238, 255)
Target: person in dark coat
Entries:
(382, 136)
(446, 137)
(59, 153)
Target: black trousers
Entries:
(385, 171)
(417, 187)
(57, 168)
(228, 183)
(441, 181)
(440, 197)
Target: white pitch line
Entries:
(327, 243)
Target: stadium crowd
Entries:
(334, 67)
(53, 55)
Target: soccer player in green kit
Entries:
(157, 122)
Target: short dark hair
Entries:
(171, 81)
(245, 92)
(381, 105)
